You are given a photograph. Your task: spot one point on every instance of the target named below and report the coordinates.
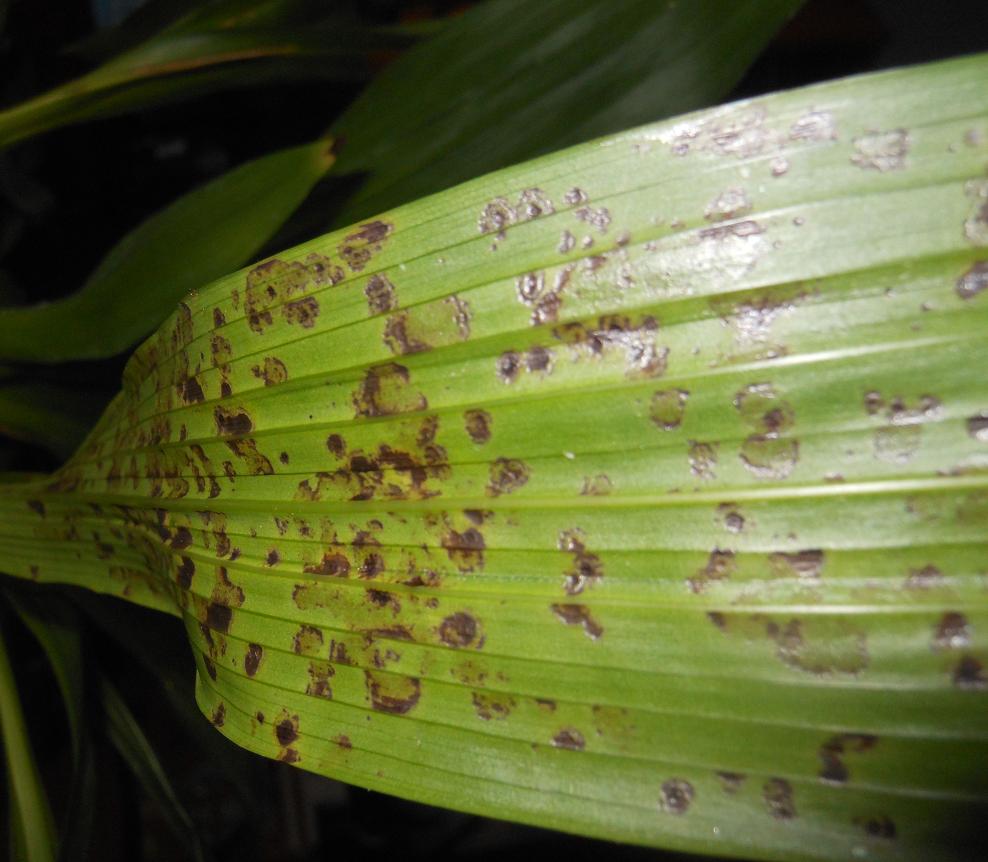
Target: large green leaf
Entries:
(639, 491)
(202, 235)
(219, 45)
(537, 77)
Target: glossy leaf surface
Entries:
(638, 491)
(540, 76)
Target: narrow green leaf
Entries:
(639, 491)
(31, 821)
(56, 628)
(511, 79)
(220, 45)
(201, 235)
(129, 740)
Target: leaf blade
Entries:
(696, 546)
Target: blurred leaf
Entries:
(639, 491)
(129, 740)
(53, 416)
(195, 239)
(219, 45)
(32, 832)
(55, 625)
(511, 79)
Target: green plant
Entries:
(636, 491)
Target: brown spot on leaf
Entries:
(969, 673)
(596, 486)
(191, 391)
(232, 422)
(668, 407)
(360, 246)
(219, 715)
(507, 366)
(924, 578)
(332, 564)
(821, 645)
(881, 151)
(286, 730)
(733, 519)
(302, 312)
(392, 693)
(246, 449)
(210, 667)
(459, 630)
(496, 216)
(578, 615)
(343, 741)
(730, 203)
(37, 507)
(878, 826)
(802, 564)
(767, 456)
(386, 390)
(272, 371)
(492, 706)
(977, 427)
(702, 459)
(586, 569)
(730, 782)
(951, 632)
(181, 538)
(778, 796)
(677, 794)
(252, 661)
(741, 229)
(336, 444)
(218, 616)
(507, 475)
(720, 565)
(307, 640)
(319, 676)
(974, 281)
(478, 425)
(289, 755)
(381, 296)
(384, 599)
(466, 549)
(569, 737)
(186, 569)
(832, 752)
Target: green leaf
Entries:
(537, 77)
(203, 234)
(129, 740)
(639, 491)
(32, 833)
(220, 45)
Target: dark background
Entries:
(92, 183)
